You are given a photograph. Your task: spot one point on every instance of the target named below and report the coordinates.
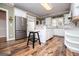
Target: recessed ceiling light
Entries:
(46, 6)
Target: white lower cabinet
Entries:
(45, 35)
(59, 32)
(49, 33)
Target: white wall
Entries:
(19, 12)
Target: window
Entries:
(57, 22)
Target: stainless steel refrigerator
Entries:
(20, 27)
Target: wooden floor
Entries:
(2, 39)
(53, 47)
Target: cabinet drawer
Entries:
(20, 34)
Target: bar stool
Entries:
(32, 37)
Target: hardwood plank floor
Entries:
(2, 39)
(53, 47)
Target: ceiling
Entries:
(37, 9)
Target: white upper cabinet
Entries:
(57, 22)
(66, 20)
(48, 22)
(54, 22)
(31, 18)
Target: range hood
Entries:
(75, 18)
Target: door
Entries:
(3, 35)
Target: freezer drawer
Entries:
(20, 34)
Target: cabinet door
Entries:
(59, 32)
(48, 21)
(66, 20)
(30, 26)
(49, 33)
(30, 18)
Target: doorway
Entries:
(3, 25)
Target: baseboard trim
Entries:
(58, 36)
(50, 38)
(10, 39)
(55, 36)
